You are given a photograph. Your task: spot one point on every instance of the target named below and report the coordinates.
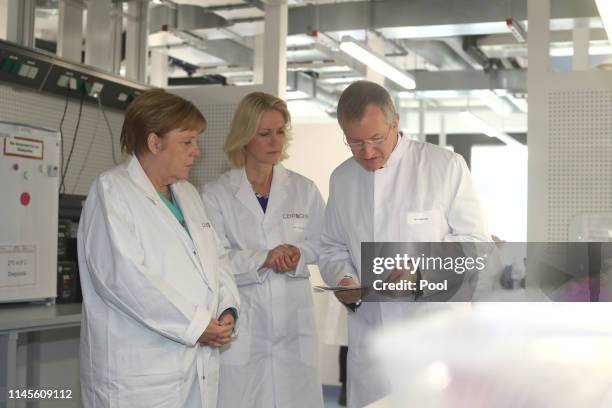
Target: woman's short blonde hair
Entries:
(246, 121)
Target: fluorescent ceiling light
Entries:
(496, 103)
(296, 95)
(339, 80)
(483, 127)
(299, 40)
(605, 11)
(379, 64)
(435, 94)
(242, 83)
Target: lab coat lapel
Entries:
(278, 190)
(244, 192)
(367, 208)
(201, 233)
(139, 177)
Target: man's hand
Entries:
(217, 334)
(348, 296)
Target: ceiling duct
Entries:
(233, 6)
(470, 47)
(306, 83)
(203, 80)
(302, 82)
(437, 53)
(184, 18)
(197, 18)
(161, 18)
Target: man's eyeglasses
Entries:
(360, 144)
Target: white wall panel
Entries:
(569, 138)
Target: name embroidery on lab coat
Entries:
(416, 218)
(289, 216)
(206, 225)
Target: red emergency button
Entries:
(25, 198)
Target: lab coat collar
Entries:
(244, 192)
(398, 151)
(278, 192)
(139, 177)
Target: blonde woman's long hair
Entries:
(246, 121)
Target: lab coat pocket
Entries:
(238, 351)
(307, 337)
(150, 378)
(294, 229)
(421, 226)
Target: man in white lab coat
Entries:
(396, 190)
(158, 297)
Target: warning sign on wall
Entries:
(23, 147)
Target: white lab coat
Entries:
(336, 326)
(274, 360)
(149, 291)
(423, 194)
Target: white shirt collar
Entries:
(397, 153)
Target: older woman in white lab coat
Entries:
(158, 299)
(270, 220)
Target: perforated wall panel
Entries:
(580, 157)
(212, 161)
(92, 150)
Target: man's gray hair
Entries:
(357, 96)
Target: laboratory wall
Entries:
(48, 359)
(315, 151)
(570, 117)
(92, 151)
(217, 104)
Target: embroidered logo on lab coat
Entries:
(289, 216)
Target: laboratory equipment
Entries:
(29, 176)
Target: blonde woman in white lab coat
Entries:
(270, 220)
(158, 297)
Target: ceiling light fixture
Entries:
(296, 95)
(379, 64)
(485, 128)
